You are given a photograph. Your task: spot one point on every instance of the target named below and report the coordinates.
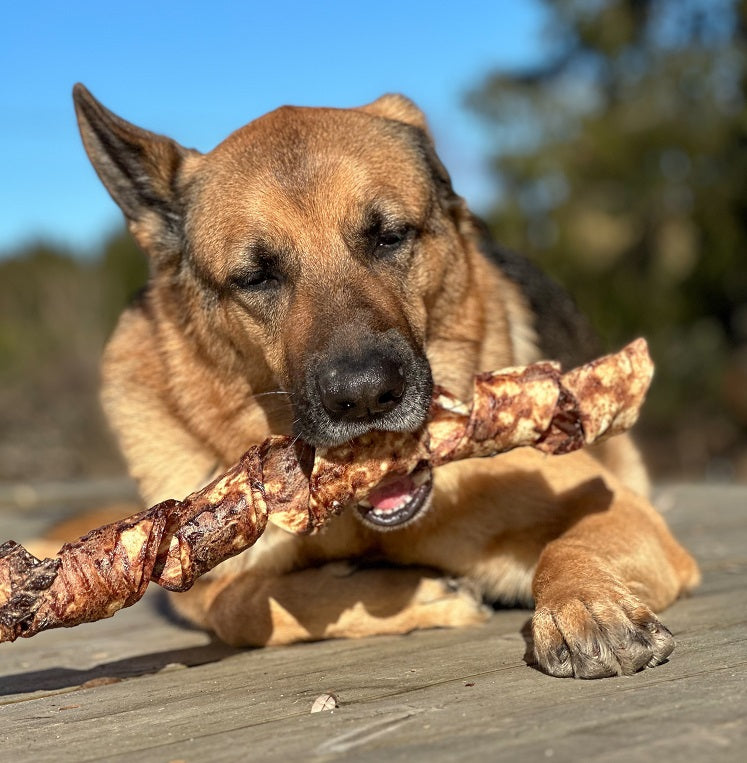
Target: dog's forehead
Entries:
(291, 134)
(328, 158)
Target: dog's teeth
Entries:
(388, 512)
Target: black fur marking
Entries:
(439, 174)
(564, 333)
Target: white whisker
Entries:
(295, 439)
(272, 392)
(281, 406)
(274, 405)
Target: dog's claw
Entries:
(593, 639)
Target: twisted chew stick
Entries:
(175, 542)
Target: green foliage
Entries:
(56, 306)
(622, 166)
(56, 311)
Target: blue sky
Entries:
(198, 70)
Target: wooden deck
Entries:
(140, 688)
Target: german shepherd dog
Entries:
(316, 274)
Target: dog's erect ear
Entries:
(402, 109)
(398, 107)
(141, 171)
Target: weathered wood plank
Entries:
(442, 695)
(411, 695)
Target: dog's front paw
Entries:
(587, 637)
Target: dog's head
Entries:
(309, 251)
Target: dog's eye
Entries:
(389, 239)
(385, 236)
(258, 280)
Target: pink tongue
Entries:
(392, 493)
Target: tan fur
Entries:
(194, 375)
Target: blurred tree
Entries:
(622, 167)
(56, 311)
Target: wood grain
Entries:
(431, 696)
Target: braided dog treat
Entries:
(175, 542)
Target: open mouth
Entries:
(397, 501)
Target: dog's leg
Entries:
(333, 601)
(597, 585)
(597, 558)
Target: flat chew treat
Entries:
(175, 542)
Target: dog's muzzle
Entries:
(381, 383)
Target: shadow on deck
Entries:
(139, 687)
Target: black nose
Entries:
(357, 388)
